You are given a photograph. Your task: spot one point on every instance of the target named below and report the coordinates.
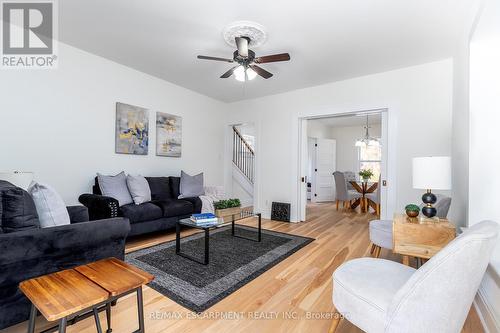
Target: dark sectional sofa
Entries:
(28, 251)
(161, 213)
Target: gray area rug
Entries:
(233, 263)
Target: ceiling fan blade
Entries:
(214, 58)
(242, 44)
(261, 71)
(228, 73)
(272, 58)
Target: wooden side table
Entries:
(118, 279)
(83, 290)
(60, 295)
(420, 238)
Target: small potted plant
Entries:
(227, 207)
(412, 210)
(366, 174)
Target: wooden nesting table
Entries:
(413, 237)
(83, 290)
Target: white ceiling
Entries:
(347, 121)
(328, 40)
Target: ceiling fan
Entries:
(246, 60)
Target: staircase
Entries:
(243, 155)
(243, 168)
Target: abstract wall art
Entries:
(132, 129)
(168, 135)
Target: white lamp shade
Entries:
(432, 173)
(20, 179)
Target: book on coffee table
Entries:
(206, 218)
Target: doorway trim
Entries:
(388, 169)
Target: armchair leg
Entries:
(335, 322)
(376, 251)
(373, 248)
(337, 205)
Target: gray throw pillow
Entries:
(49, 205)
(139, 189)
(191, 186)
(115, 187)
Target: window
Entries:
(369, 158)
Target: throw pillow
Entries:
(115, 187)
(19, 211)
(49, 205)
(139, 189)
(191, 186)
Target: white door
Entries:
(324, 169)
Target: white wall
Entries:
(347, 153)
(484, 183)
(419, 100)
(60, 123)
(316, 129)
(460, 137)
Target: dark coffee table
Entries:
(234, 218)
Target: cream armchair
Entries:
(379, 295)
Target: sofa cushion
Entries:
(115, 187)
(49, 205)
(191, 186)
(175, 207)
(139, 189)
(18, 210)
(4, 186)
(143, 212)
(78, 214)
(160, 188)
(175, 187)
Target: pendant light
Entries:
(367, 140)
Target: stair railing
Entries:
(243, 155)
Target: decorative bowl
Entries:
(412, 213)
(412, 210)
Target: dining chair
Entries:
(381, 230)
(435, 298)
(341, 191)
(349, 176)
(375, 197)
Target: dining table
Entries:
(362, 187)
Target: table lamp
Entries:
(431, 173)
(18, 178)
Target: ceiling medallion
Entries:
(256, 32)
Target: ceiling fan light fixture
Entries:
(239, 73)
(251, 74)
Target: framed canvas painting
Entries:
(168, 135)
(132, 129)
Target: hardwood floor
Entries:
(300, 287)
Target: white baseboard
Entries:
(490, 323)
